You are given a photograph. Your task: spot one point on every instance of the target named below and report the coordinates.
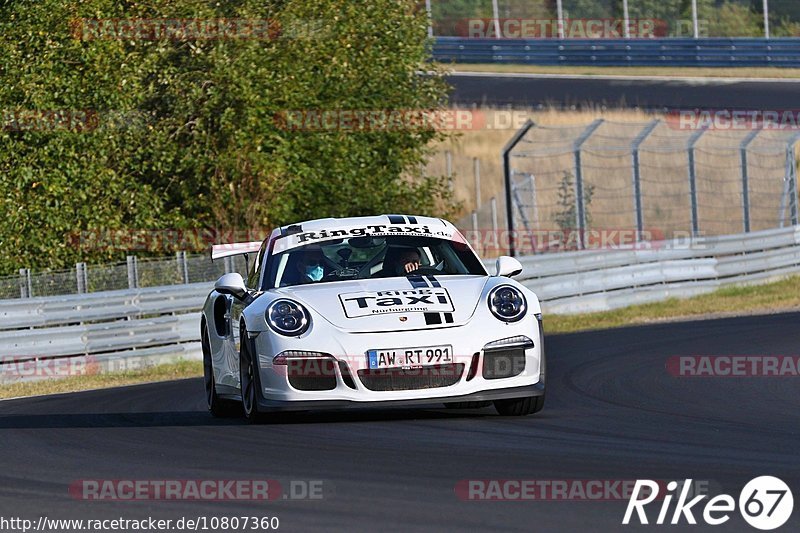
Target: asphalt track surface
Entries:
(623, 92)
(612, 412)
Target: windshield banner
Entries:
(374, 230)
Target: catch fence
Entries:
(653, 180)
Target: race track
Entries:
(531, 90)
(612, 412)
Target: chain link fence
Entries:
(133, 273)
(582, 19)
(639, 181)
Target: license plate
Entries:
(409, 357)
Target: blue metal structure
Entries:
(727, 52)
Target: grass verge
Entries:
(778, 296)
(772, 297)
(645, 72)
(165, 372)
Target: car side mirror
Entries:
(232, 284)
(507, 266)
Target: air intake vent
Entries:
(395, 379)
(312, 374)
(499, 364)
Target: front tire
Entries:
(249, 380)
(519, 406)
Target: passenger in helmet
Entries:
(311, 266)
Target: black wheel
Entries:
(467, 405)
(519, 406)
(216, 405)
(249, 380)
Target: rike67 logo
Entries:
(765, 503)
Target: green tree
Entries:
(187, 135)
(730, 19)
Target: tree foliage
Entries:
(183, 132)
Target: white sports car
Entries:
(383, 310)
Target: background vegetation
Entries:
(183, 132)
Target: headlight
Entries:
(288, 317)
(507, 303)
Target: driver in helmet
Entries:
(400, 262)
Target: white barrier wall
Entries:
(577, 282)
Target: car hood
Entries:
(392, 304)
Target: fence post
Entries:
(745, 178)
(534, 203)
(183, 266)
(448, 167)
(133, 272)
(626, 19)
(80, 274)
(495, 241)
(580, 211)
(476, 170)
(25, 285)
(793, 200)
(476, 232)
(430, 18)
(790, 183)
(693, 179)
(512, 251)
(560, 15)
(637, 185)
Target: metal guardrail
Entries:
(126, 329)
(577, 282)
(712, 52)
(66, 335)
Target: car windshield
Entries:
(370, 258)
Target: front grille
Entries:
(312, 374)
(503, 363)
(428, 377)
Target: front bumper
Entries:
(537, 389)
(468, 341)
